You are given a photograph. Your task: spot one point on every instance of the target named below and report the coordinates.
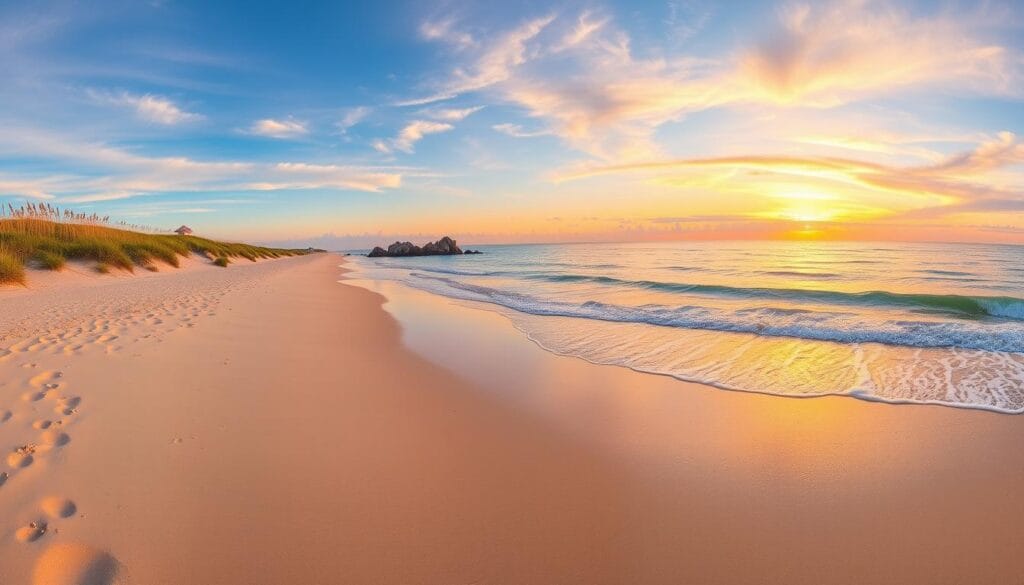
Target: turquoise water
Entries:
(926, 323)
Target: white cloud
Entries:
(585, 27)
(352, 117)
(444, 31)
(412, 133)
(451, 114)
(14, 187)
(111, 173)
(517, 131)
(151, 108)
(582, 78)
(279, 128)
(495, 65)
(313, 176)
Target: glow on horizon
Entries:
(851, 119)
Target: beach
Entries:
(275, 423)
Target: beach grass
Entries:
(12, 270)
(50, 244)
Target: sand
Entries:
(267, 424)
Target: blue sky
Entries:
(347, 123)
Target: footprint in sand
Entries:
(21, 457)
(31, 533)
(42, 424)
(70, 401)
(57, 507)
(3, 477)
(5, 415)
(55, 438)
(33, 396)
(74, 564)
(45, 379)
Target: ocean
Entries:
(894, 322)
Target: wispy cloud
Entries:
(494, 65)
(410, 135)
(586, 26)
(284, 129)
(828, 54)
(351, 117)
(444, 30)
(451, 114)
(110, 173)
(517, 131)
(959, 184)
(151, 108)
(582, 76)
(28, 188)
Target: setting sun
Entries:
(559, 292)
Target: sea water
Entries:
(919, 323)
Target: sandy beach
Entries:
(269, 424)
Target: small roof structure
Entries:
(183, 230)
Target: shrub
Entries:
(222, 261)
(50, 260)
(11, 269)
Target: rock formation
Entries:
(443, 247)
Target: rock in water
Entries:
(443, 247)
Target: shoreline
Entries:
(277, 426)
(498, 309)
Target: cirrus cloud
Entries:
(151, 108)
(282, 129)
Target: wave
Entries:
(947, 272)
(799, 274)
(768, 321)
(959, 305)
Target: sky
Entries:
(348, 124)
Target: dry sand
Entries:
(265, 424)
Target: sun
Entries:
(807, 206)
(807, 214)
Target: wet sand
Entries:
(267, 424)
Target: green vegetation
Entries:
(43, 236)
(49, 260)
(12, 271)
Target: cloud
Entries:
(314, 176)
(283, 129)
(444, 31)
(961, 183)
(585, 27)
(1005, 149)
(410, 135)
(517, 131)
(494, 65)
(30, 189)
(451, 114)
(582, 77)
(148, 107)
(109, 173)
(828, 54)
(352, 117)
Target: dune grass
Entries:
(50, 244)
(12, 271)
